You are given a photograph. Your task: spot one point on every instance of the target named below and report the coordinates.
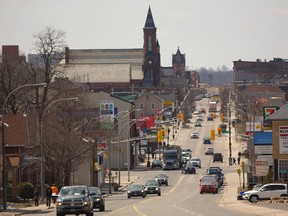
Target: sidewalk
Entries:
(229, 197)
(13, 210)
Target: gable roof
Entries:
(281, 114)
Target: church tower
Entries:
(178, 64)
(151, 50)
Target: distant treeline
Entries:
(220, 76)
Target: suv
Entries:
(161, 179)
(266, 192)
(152, 187)
(218, 157)
(74, 200)
(194, 134)
(196, 161)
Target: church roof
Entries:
(149, 20)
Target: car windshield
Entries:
(135, 187)
(151, 183)
(160, 176)
(95, 190)
(66, 191)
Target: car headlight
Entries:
(146, 189)
(59, 202)
(128, 191)
(142, 191)
(156, 188)
(98, 199)
(86, 202)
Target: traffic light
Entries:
(163, 133)
(159, 136)
(219, 130)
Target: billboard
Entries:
(107, 113)
(269, 110)
(253, 126)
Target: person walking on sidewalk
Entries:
(234, 161)
(239, 160)
(48, 196)
(36, 197)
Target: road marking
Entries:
(178, 182)
(136, 209)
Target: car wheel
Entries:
(102, 208)
(59, 214)
(166, 183)
(143, 196)
(253, 199)
(201, 192)
(159, 194)
(129, 197)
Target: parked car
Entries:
(207, 188)
(196, 162)
(67, 197)
(198, 124)
(156, 163)
(266, 192)
(194, 135)
(207, 140)
(196, 112)
(255, 187)
(202, 110)
(161, 179)
(152, 187)
(189, 169)
(218, 157)
(98, 198)
(136, 190)
(209, 151)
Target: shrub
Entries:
(26, 190)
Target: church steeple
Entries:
(149, 20)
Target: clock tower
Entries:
(151, 50)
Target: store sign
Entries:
(269, 110)
(107, 114)
(263, 138)
(283, 139)
(262, 167)
(253, 126)
(263, 149)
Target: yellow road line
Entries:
(136, 209)
(178, 182)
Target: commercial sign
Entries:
(283, 139)
(107, 113)
(269, 110)
(253, 126)
(263, 149)
(262, 167)
(263, 138)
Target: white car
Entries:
(196, 161)
(194, 135)
(196, 112)
(209, 151)
(199, 118)
(266, 192)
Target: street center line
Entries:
(136, 209)
(178, 182)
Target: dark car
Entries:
(197, 124)
(218, 157)
(152, 187)
(74, 200)
(98, 198)
(136, 190)
(210, 118)
(156, 163)
(218, 173)
(189, 169)
(206, 140)
(161, 179)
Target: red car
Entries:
(207, 188)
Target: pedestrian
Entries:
(54, 193)
(238, 160)
(239, 154)
(234, 161)
(48, 196)
(36, 197)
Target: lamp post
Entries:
(4, 180)
(41, 143)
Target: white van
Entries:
(210, 179)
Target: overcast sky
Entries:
(210, 33)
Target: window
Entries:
(283, 167)
(149, 43)
(153, 106)
(142, 106)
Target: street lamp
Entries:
(41, 142)
(4, 182)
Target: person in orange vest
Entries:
(54, 192)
